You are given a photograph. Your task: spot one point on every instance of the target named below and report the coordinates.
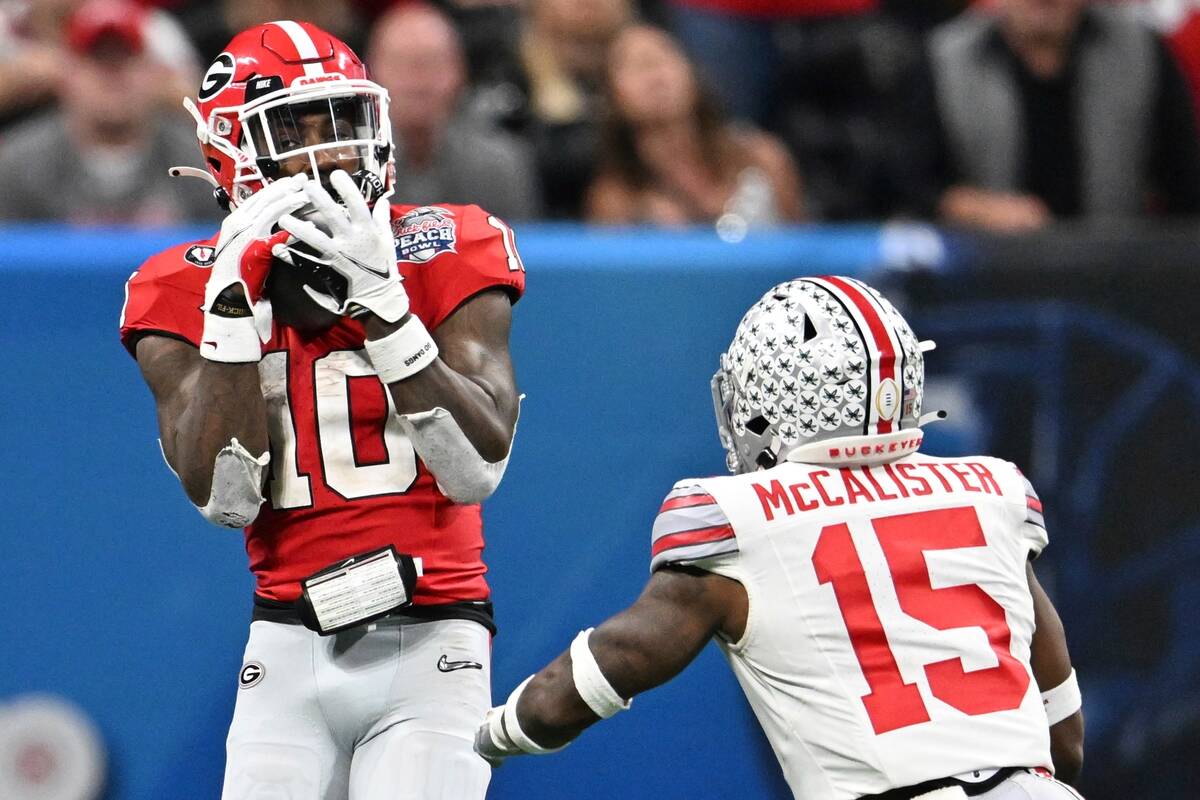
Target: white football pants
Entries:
(385, 711)
(1030, 786)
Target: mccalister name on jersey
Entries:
(853, 485)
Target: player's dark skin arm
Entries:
(1051, 666)
(472, 377)
(640, 648)
(201, 406)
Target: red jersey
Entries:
(344, 478)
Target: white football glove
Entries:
(243, 258)
(359, 247)
(500, 736)
(491, 742)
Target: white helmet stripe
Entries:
(883, 345)
(305, 47)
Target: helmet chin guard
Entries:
(821, 370)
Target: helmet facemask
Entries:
(319, 132)
(340, 121)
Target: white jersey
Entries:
(890, 617)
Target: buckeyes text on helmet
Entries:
(822, 370)
(285, 97)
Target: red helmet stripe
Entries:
(306, 49)
(882, 341)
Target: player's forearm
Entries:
(1066, 748)
(637, 650)
(224, 402)
(485, 414)
(550, 709)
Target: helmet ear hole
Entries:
(758, 426)
(810, 330)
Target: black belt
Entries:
(267, 610)
(971, 789)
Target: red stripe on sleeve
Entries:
(687, 501)
(1034, 503)
(699, 536)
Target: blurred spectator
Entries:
(1179, 23)
(102, 156)
(563, 52)
(415, 54)
(33, 56)
(825, 75)
(669, 156)
(212, 23)
(733, 42)
(31, 59)
(1058, 109)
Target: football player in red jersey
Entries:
(332, 373)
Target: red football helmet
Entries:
(284, 91)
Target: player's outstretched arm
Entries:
(640, 648)
(1052, 669)
(202, 406)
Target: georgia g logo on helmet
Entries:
(219, 75)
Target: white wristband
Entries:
(230, 340)
(402, 353)
(1063, 700)
(590, 682)
(510, 726)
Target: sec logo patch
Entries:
(200, 255)
(251, 675)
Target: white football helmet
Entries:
(821, 370)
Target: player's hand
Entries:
(359, 246)
(492, 742)
(243, 250)
(236, 320)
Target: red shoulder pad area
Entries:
(449, 253)
(164, 296)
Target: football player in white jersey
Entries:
(878, 606)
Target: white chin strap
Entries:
(193, 172)
(462, 474)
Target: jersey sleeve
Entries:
(449, 254)
(690, 527)
(1034, 526)
(163, 298)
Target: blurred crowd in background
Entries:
(1005, 115)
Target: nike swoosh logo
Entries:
(378, 274)
(445, 665)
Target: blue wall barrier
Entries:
(119, 597)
